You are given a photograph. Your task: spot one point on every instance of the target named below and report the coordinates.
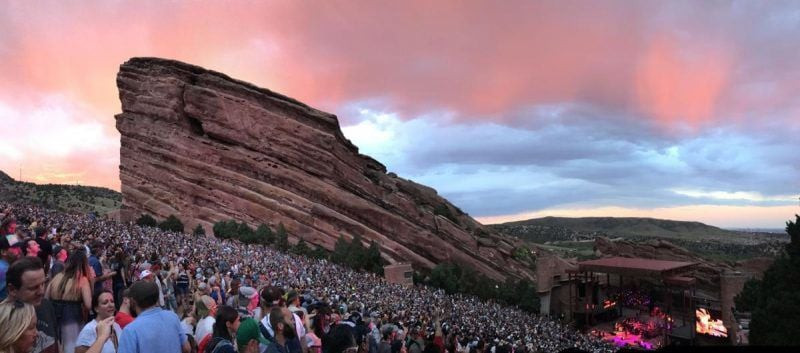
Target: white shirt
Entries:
(89, 334)
(160, 293)
(204, 327)
(298, 325)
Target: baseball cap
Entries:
(248, 330)
(247, 293)
(144, 274)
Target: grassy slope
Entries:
(70, 198)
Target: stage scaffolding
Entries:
(592, 275)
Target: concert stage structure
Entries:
(668, 304)
(631, 302)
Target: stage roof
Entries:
(632, 266)
(681, 281)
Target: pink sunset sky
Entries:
(515, 109)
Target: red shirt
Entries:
(123, 319)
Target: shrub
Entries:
(353, 254)
(172, 223)
(146, 220)
(444, 211)
(199, 230)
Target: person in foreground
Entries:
(71, 294)
(26, 282)
(100, 335)
(154, 329)
(225, 328)
(18, 323)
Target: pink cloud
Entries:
(476, 59)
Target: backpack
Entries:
(216, 344)
(265, 332)
(410, 341)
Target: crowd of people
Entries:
(76, 283)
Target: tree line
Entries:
(774, 301)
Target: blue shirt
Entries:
(98, 271)
(154, 330)
(3, 270)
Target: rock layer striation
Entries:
(205, 147)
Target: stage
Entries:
(635, 329)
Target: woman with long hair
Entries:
(18, 327)
(225, 327)
(101, 334)
(71, 294)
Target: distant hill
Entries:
(574, 236)
(565, 229)
(68, 198)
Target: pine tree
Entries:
(199, 230)
(340, 250)
(374, 261)
(225, 229)
(244, 233)
(319, 253)
(146, 220)
(356, 253)
(172, 223)
(302, 248)
(282, 238)
(775, 300)
(264, 235)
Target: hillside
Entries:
(623, 227)
(66, 198)
(575, 236)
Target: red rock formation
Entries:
(206, 147)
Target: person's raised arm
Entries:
(104, 329)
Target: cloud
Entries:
(505, 106)
(53, 141)
(679, 63)
(579, 161)
(737, 195)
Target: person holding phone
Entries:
(100, 335)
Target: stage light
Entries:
(708, 326)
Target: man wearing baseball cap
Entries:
(149, 276)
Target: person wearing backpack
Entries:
(415, 343)
(225, 328)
